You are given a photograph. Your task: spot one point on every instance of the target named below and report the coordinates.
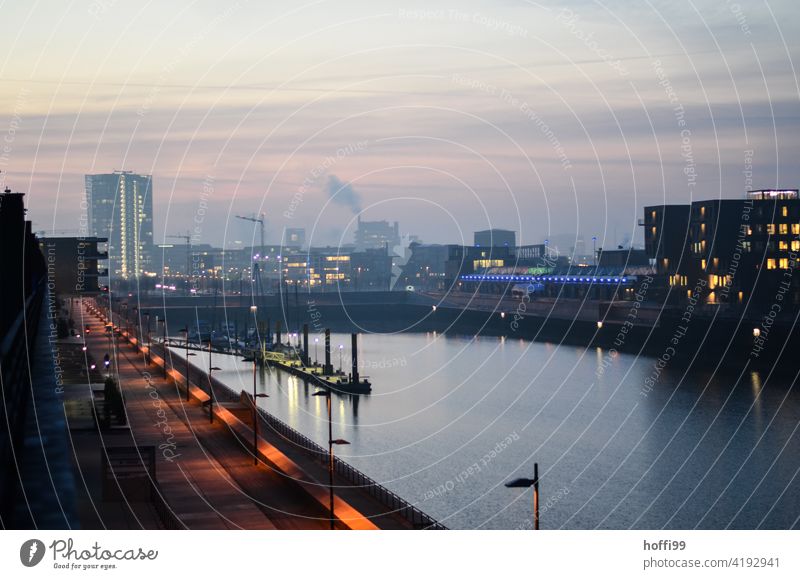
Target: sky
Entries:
(546, 118)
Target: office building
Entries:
(121, 210)
(495, 238)
(377, 235)
(729, 251)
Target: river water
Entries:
(452, 418)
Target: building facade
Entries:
(729, 251)
(495, 238)
(377, 235)
(121, 210)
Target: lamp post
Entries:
(147, 356)
(163, 322)
(255, 410)
(210, 385)
(136, 326)
(527, 483)
(254, 311)
(186, 329)
(316, 358)
(341, 366)
(594, 250)
(331, 442)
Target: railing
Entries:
(398, 505)
(354, 476)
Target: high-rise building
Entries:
(121, 210)
(377, 235)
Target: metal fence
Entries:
(396, 504)
(354, 476)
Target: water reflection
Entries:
(696, 449)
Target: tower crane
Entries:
(256, 268)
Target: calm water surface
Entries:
(452, 418)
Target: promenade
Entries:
(206, 479)
(205, 470)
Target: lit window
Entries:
(785, 211)
(795, 228)
(771, 228)
(770, 263)
(784, 263)
(783, 228)
(783, 246)
(795, 245)
(703, 264)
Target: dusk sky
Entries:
(545, 118)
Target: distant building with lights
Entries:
(728, 251)
(294, 237)
(377, 235)
(495, 238)
(121, 210)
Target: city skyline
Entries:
(452, 122)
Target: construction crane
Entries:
(188, 239)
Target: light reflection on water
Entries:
(452, 418)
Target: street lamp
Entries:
(163, 342)
(527, 483)
(254, 311)
(210, 386)
(147, 356)
(316, 358)
(255, 410)
(331, 442)
(186, 329)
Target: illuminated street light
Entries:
(331, 442)
(255, 410)
(527, 483)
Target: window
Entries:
(770, 263)
(771, 228)
(785, 211)
(783, 246)
(795, 245)
(783, 263)
(783, 228)
(703, 264)
(795, 228)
